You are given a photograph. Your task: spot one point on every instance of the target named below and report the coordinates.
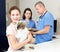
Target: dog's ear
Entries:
(22, 25)
(18, 25)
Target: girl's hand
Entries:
(29, 37)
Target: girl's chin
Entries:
(15, 21)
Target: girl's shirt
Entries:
(11, 30)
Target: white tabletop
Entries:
(51, 46)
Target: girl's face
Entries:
(28, 14)
(15, 16)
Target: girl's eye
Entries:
(16, 14)
(12, 14)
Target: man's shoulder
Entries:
(49, 14)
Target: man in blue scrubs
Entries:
(45, 24)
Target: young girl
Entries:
(11, 32)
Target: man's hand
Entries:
(33, 33)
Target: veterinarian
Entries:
(45, 24)
(27, 17)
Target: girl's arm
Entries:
(15, 44)
(30, 36)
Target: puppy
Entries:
(22, 33)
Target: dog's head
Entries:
(21, 25)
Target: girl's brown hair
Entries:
(13, 8)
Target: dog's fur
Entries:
(22, 33)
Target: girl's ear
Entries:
(9, 15)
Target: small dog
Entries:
(22, 33)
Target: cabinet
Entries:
(55, 25)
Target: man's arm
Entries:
(43, 31)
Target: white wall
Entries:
(28, 3)
(52, 5)
(9, 4)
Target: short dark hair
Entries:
(39, 2)
(27, 9)
(13, 8)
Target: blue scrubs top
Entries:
(46, 19)
(30, 24)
